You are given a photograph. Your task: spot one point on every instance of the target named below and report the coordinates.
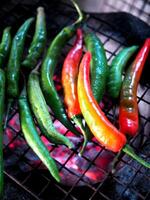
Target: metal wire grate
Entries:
(130, 181)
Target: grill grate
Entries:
(130, 181)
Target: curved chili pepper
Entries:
(5, 45)
(128, 110)
(40, 110)
(69, 76)
(99, 125)
(2, 103)
(99, 68)
(32, 137)
(47, 71)
(39, 40)
(69, 82)
(116, 69)
(14, 62)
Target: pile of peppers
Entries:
(86, 77)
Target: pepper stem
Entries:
(80, 14)
(37, 67)
(129, 151)
(78, 121)
(10, 102)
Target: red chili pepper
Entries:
(69, 81)
(128, 111)
(69, 76)
(99, 125)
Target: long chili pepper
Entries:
(99, 125)
(99, 68)
(4, 50)
(14, 62)
(39, 40)
(16, 53)
(5, 45)
(40, 110)
(69, 83)
(2, 94)
(32, 137)
(116, 69)
(47, 71)
(128, 110)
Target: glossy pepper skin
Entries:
(116, 70)
(5, 45)
(99, 68)
(69, 76)
(14, 62)
(40, 110)
(2, 103)
(32, 137)
(128, 110)
(69, 82)
(47, 72)
(99, 125)
(39, 41)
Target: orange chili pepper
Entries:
(99, 125)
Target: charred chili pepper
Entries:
(39, 40)
(128, 110)
(99, 68)
(32, 137)
(14, 62)
(116, 69)
(47, 71)
(100, 126)
(5, 45)
(40, 110)
(69, 82)
(2, 103)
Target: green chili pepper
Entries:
(47, 71)
(116, 69)
(99, 68)
(13, 68)
(40, 110)
(39, 40)
(14, 62)
(32, 137)
(5, 45)
(2, 94)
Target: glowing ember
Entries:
(92, 166)
(74, 165)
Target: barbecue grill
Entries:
(90, 176)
